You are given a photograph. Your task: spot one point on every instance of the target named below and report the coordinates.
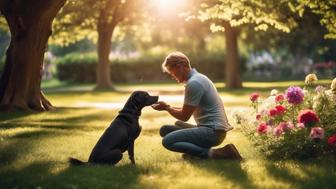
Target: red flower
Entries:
(332, 140)
(279, 98)
(307, 117)
(262, 128)
(281, 109)
(273, 112)
(258, 116)
(254, 97)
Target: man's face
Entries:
(178, 72)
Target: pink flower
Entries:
(258, 116)
(294, 95)
(254, 97)
(279, 98)
(308, 117)
(281, 109)
(273, 112)
(262, 128)
(316, 133)
(300, 125)
(278, 131)
(286, 126)
(332, 140)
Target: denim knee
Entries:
(163, 131)
(166, 129)
(167, 143)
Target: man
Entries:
(203, 102)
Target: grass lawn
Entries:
(34, 147)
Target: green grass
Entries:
(34, 148)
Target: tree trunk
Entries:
(232, 66)
(105, 31)
(30, 27)
(103, 67)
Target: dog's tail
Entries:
(76, 162)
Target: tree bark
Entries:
(30, 23)
(232, 66)
(111, 14)
(105, 31)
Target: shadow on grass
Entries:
(5, 116)
(15, 148)
(311, 174)
(229, 170)
(45, 174)
(71, 118)
(124, 176)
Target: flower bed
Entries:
(297, 124)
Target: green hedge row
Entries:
(82, 68)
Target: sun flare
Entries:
(169, 7)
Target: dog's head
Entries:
(142, 99)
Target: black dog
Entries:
(121, 133)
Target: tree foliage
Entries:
(262, 14)
(79, 19)
(325, 9)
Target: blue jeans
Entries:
(194, 141)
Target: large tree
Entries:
(79, 18)
(29, 23)
(230, 17)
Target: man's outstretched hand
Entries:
(160, 106)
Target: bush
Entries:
(77, 68)
(82, 68)
(299, 124)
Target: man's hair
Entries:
(175, 58)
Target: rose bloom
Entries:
(281, 109)
(332, 140)
(310, 79)
(278, 131)
(294, 95)
(258, 116)
(262, 128)
(286, 126)
(307, 117)
(279, 98)
(273, 112)
(316, 133)
(254, 97)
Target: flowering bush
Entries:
(298, 124)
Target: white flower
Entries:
(333, 85)
(274, 92)
(310, 79)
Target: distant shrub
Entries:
(82, 67)
(77, 68)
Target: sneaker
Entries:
(227, 152)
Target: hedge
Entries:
(82, 68)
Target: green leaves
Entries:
(259, 13)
